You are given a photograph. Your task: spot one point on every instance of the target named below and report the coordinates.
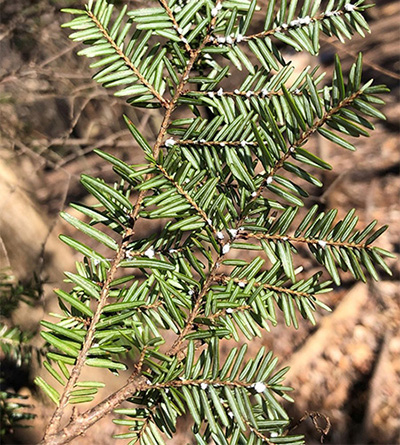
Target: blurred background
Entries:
(52, 115)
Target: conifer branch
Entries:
(127, 61)
(76, 427)
(304, 138)
(303, 240)
(79, 425)
(54, 423)
(83, 353)
(188, 198)
(299, 23)
(182, 288)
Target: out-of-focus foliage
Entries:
(13, 412)
(15, 348)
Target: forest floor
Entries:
(53, 115)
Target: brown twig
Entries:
(177, 28)
(78, 426)
(214, 143)
(315, 416)
(281, 28)
(279, 289)
(199, 382)
(222, 312)
(195, 310)
(248, 94)
(300, 239)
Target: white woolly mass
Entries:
(254, 194)
(249, 93)
(229, 40)
(229, 310)
(243, 143)
(220, 235)
(226, 248)
(259, 387)
(241, 284)
(305, 20)
(214, 12)
(150, 252)
(300, 21)
(222, 144)
(349, 7)
(269, 179)
(203, 385)
(233, 232)
(148, 382)
(220, 92)
(170, 142)
(172, 251)
(239, 38)
(331, 13)
(210, 93)
(236, 91)
(218, 6)
(221, 39)
(230, 414)
(264, 92)
(191, 292)
(322, 243)
(209, 221)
